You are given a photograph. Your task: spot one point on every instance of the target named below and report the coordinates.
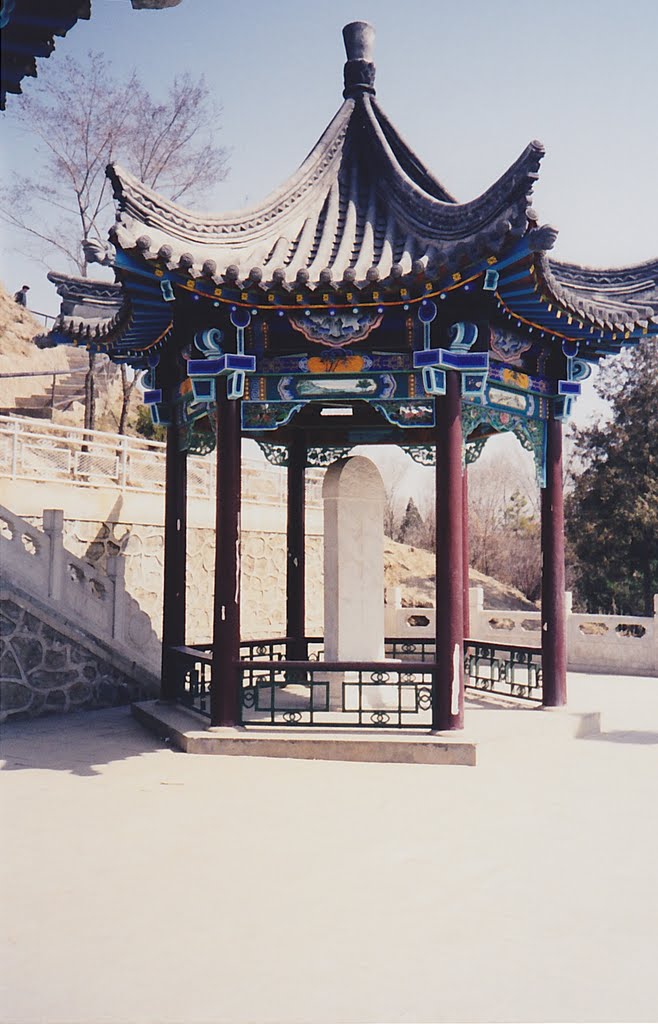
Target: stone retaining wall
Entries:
(48, 666)
(263, 575)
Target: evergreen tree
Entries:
(612, 511)
(412, 527)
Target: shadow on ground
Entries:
(78, 743)
(626, 736)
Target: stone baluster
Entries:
(116, 568)
(53, 527)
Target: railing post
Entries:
(116, 568)
(14, 449)
(123, 464)
(53, 527)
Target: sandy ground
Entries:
(142, 885)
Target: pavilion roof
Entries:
(361, 207)
(362, 221)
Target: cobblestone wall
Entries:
(43, 670)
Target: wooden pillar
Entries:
(448, 688)
(224, 693)
(553, 610)
(465, 555)
(296, 551)
(175, 557)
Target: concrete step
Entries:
(41, 413)
(65, 390)
(33, 401)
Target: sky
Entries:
(467, 85)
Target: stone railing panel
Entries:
(25, 551)
(595, 643)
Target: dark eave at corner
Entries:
(28, 31)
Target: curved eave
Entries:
(137, 319)
(361, 207)
(604, 310)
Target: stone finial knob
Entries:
(359, 70)
(359, 39)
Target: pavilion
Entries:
(358, 303)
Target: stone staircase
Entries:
(59, 391)
(72, 637)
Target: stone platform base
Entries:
(492, 724)
(190, 732)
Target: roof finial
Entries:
(359, 37)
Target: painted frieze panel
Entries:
(336, 328)
(381, 386)
(345, 361)
(510, 346)
(408, 414)
(511, 377)
(268, 415)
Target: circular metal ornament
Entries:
(427, 311)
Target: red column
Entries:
(553, 612)
(296, 551)
(224, 692)
(448, 689)
(175, 530)
(465, 554)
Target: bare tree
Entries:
(393, 476)
(81, 117)
(504, 522)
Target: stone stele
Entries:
(353, 496)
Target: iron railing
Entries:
(401, 648)
(503, 669)
(274, 690)
(329, 694)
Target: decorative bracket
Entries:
(473, 367)
(217, 363)
(569, 389)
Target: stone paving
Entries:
(143, 885)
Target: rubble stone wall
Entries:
(45, 667)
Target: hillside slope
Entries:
(412, 569)
(19, 354)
